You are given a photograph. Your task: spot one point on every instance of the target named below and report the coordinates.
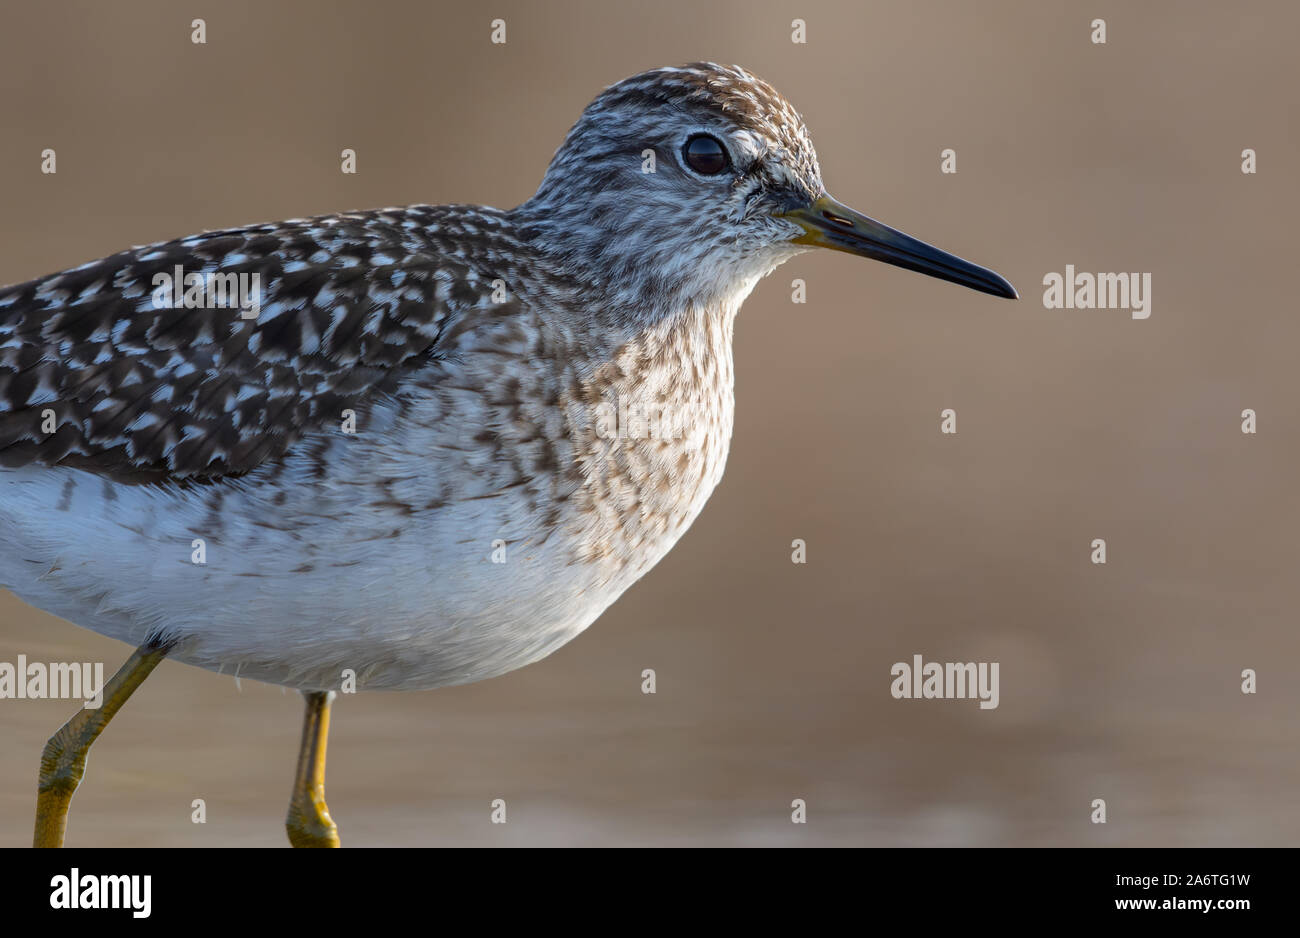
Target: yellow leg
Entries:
(309, 823)
(63, 762)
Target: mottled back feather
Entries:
(141, 393)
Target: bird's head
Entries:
(693, 182)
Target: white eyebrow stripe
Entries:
(749, 145)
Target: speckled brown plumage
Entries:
(479, 516)
(139, 393)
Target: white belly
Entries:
(439, 576)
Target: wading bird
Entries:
(317, 490)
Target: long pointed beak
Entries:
(829, 224)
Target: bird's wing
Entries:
(101, 369)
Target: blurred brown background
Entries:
(1119, 682)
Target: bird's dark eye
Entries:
(705, 155)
